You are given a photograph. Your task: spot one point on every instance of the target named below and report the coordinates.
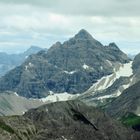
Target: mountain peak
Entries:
(83, 31)
(113, 46)
(83, 34)
(32, 50)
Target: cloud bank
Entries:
(43, 22)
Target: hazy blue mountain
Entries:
(132, 56)
(10, 61)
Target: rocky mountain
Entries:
(69, 120)
(126, 106)
(81, 60)
(79, 69)
(109, 87)
(129, 100)
(112, 86)
(10, 61)
(32, 50)
(136, 67)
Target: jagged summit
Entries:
(33, 49)
(113, 46)
(83, 34)
(83, 39)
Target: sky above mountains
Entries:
(43, 22)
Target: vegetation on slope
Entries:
(131, 120)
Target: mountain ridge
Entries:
(10, 61)
(64, 120)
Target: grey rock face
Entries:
(136, 63)
(11, 104)
(69, 67)
(64, 120)
(128, 101)
(136, 68)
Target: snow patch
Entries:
(51, 92)
(26, 67)
(64, 138)
(85, 66)
(59, 97)
(125, 70)
(71, 72)
(126, 86)
(16, 94)
(47, 109)
(118, 93)
(109, 62)
(26, 56)
(23, 112)
(101, 67)
(30, 64)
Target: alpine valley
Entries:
(79, 89)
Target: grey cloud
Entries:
(86, 7)
(42, 22)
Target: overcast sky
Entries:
(43, 22)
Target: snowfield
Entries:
(124, 70)
(58, 97)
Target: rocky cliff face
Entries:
(82, 60)
(129, 100)
(101, 94)
(136, 63)
(64, 120)
(136, 68)
(109, 87)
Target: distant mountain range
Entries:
(10, 61)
